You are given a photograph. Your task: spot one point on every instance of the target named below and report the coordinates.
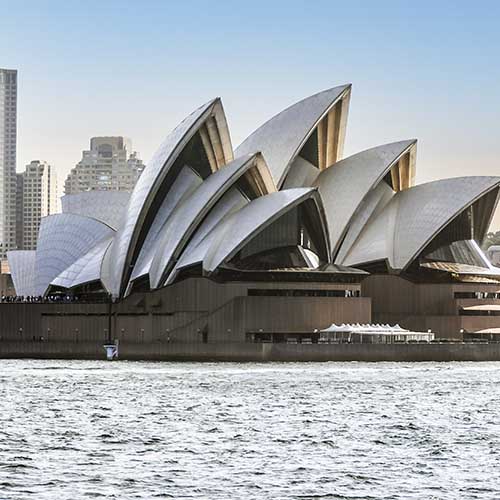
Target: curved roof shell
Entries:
(22, 270)
(104, 206)
(413, 217)
(183, 186)
(344, 186)
(198, 246)
(282, 137)
(374, 202)
(63, 239)
(86, 269)
(245, 224)
(192, 211)
(118, 259)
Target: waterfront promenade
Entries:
(446, 351)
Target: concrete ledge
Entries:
(256, 352)
(51, 350)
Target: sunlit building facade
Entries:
(109, 165)
(37, 197)
(8, 145)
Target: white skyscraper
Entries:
(109, 165)
(37, 198)
(8, 138)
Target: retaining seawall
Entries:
(256, 352)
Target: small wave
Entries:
(15, 467)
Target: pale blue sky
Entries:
(424, 69)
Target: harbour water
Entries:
(139, 430)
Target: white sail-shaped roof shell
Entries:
(117, 259)
(191, 212)
(242, 226)
(86, 269)
(63, 239)
(344, 186)
(105, 206)
(183, 186)
(281, 138)
(22, 270)
(374, 202)
(201, 241)
(413, 217)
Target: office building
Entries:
(109, 165)
(37, 198)
(8, 138)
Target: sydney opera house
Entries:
(278, 237)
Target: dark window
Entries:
(269, 292)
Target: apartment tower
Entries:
(37, 198)
(8, 138)
(109, 165)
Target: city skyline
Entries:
(427, 76)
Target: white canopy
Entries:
(365, 329)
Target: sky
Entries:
(421, 69)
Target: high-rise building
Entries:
(19, 210)
(109, 165)
(8, 138)
(37, 198)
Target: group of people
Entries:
(38, 298)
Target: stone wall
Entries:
(256, 352)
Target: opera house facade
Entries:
(279, 236)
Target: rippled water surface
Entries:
(77, 429)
